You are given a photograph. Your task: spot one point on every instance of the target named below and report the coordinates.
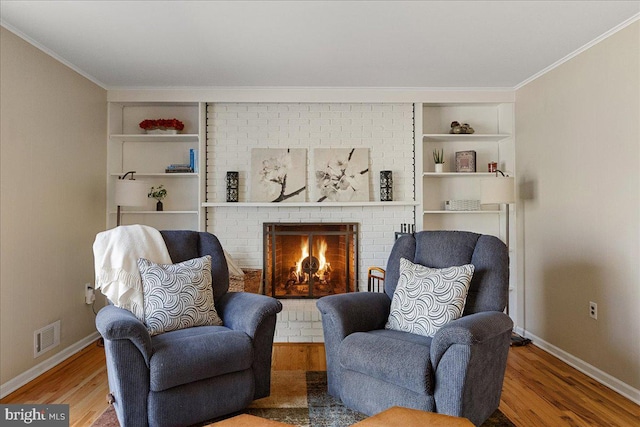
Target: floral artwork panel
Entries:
(341, 175)
(278, 175)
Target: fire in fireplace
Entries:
(310, 260)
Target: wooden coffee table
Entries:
(246, 420)
(406, 417)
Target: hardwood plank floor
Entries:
(539, 389)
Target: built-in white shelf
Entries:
(123, 212)
(493, 211)
(475, 137)
(162, 174)
(143, 137)
(458, 174)
(129, 148)
(305, 204)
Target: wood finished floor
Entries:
(539, 389)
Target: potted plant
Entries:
(438, 159)
(159, 194)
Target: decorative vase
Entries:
(159, 206)
(439, 167)
(386, 186)
(232, 186)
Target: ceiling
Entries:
(373, 44)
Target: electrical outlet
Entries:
(593, 310)
(89, 294)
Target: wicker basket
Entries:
(236, 283)
(250, 282)
(462, 205)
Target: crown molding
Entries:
(52, 54)
(578, 51)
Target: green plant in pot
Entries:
(159, 194)
(438, 159)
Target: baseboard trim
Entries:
(600, 376)
(31, 374)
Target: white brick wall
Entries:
(299, 321)
(234, 129)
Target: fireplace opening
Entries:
(310, 260)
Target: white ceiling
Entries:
(396, 44)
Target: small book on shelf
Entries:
(193, 159)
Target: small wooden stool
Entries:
(406, 417)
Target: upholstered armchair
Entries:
(190, 375)
(459, 370)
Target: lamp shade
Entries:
(131, 192)
(497, 190)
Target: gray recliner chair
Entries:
(459, 371)
(191, 375)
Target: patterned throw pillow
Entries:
(177, 296)
(428, 298)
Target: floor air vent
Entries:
(46, 338)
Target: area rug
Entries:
(301, 399)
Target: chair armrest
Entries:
(354, 312)
(469, 330)
(243, 311)
(115, 323)
(469, 359)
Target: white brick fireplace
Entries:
(233, 129)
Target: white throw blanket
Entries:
(116, 253)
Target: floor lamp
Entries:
(502, 190)
(129, 192)
(499, 190)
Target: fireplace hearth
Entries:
(309, 260)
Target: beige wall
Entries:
(53, 166)
(578, 160)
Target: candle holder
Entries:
(232, 186)
(386, 186)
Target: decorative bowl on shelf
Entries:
(162, 126)
(159, 131)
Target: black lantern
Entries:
(386, 186)
(232, 186)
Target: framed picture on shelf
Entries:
(466, 161)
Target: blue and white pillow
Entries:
(427, 298)
(177, 296)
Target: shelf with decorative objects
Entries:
(468, 141)
(135, 212)
(160, 174)
(161, 143)
(457, 174)
(445, 190)
(487, 211)
(475, 137)
(143, 137)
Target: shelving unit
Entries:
(493, 141)
(149, 154)
(464, 137)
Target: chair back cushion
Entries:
(440, 249)
(184, 245)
